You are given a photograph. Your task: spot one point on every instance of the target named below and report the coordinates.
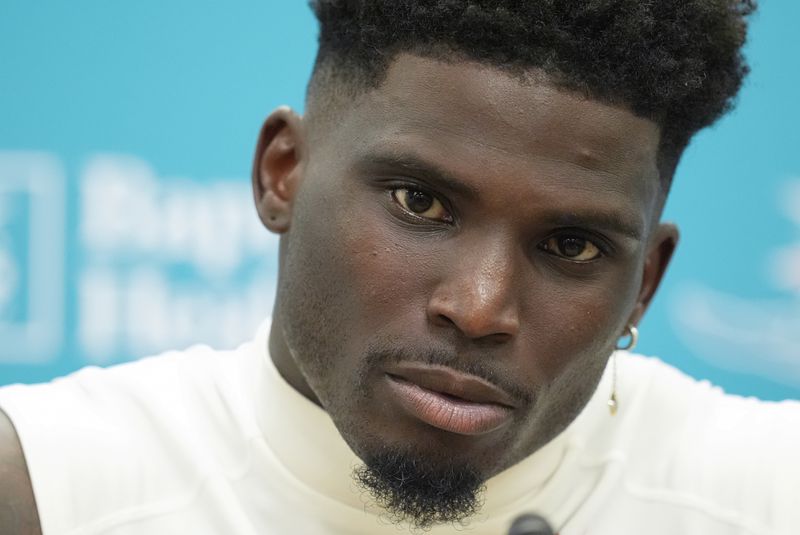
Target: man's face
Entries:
(463, 249)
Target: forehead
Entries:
(496, 129)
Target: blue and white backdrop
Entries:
(127, 227)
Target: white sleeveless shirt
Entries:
(208, 442)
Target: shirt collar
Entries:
(306, 442)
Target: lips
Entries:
(449, 400)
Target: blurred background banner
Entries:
(127, 225)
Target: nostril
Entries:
(445, 320)
(499, 338)
(492, 317)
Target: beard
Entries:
(419, 491)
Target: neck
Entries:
(284, 361)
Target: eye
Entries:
(421, 204)
(574, 248)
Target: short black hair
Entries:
(676, 62)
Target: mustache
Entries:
(378, 356)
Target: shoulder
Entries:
(161, 386)
(691, 442)
(132, 435)
(18, 513)
(682, 410)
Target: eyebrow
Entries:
(389, 162)
(418, 168)
(608, 221)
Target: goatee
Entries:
(419, 491)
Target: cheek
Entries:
(577, 325)
(390, 276)
(369, 270)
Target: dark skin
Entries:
(455, 214)
(462, 216)
(18, 514)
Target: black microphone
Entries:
(530, 524)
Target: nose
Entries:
(477, 295)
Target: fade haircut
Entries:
(676, 62)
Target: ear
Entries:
(277, 168)
(660, 249)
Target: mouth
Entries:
(449, 400)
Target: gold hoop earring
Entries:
(633, 339)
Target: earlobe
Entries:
(277, 168)
(660, 251)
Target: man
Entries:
(470, 220)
